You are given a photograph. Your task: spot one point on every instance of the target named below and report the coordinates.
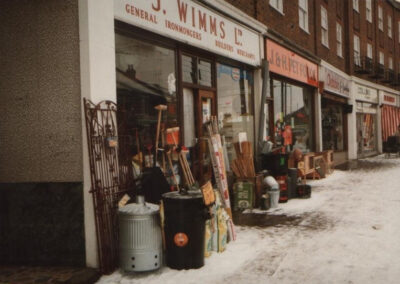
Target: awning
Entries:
(390, 121)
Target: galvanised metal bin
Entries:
(140, 241)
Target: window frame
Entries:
(381, 58)
(370, 53)
(368, 10)
(304, 11)
(390, 63)
(390, 30)
(324, 27)
(380, 18)
(357, 51)
(356, 6)
(339, 40)
(277, 5)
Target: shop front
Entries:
(195, 61)
(290, 104)
(335, 91)
(366, 120)
(390, 115)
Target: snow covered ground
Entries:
(348, 232)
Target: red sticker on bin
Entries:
(180, 239)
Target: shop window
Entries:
(189, 69)
(366, 128)
(292, 116)
(196, 71)
(145, 78)
(235, 104)
(332, 125)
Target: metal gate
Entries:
(111, 173)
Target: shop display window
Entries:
(196, 71)
(146, 77)
(235, 104)
(366, 129)
(292, 116)
(332, 125)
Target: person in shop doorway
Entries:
(397, 134)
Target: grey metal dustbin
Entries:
(140, 241)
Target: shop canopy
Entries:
(390, 121)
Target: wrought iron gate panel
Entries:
(111, 176)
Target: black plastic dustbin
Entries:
(185, 216)
(276, 164)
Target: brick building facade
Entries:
(345, 18)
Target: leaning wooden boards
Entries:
(217, 159)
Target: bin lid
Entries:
(139, 209)
(191, 194)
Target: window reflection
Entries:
(235, 104)
(292, 116)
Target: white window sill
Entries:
(340, 56)
(326, 45)
(304, 30)
(279, 11)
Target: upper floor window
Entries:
(381, 58)
(390, 63)
(369, 50)
(368, 7)
(356, 5)
(324, 27)
(380, 18)
(303, 14)
(339, 46)
(398, 28)
(357, 58)
(277, 4)
(390, 26)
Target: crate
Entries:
(257, 188)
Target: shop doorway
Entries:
(366, 130)
(198, 107)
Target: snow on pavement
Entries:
(348, 232)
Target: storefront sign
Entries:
(189, 22)
(366, 94)
(287, 63)
(366, 108)
(333, 82)
(388, 99)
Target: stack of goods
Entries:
(216, 233)
(247, 189)
(243, 165)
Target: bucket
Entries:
(274, 198)
(185, 217)
(265, 202)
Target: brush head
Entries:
(160, 107)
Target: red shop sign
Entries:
(289, 64)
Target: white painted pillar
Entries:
(318, 117)
(352, 124)
(379, 121)
(97, 61)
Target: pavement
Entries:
(40, 274)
